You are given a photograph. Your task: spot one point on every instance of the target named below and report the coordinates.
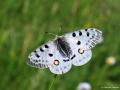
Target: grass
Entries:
(23, 24)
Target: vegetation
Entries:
(23, 24)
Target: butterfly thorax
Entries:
(63, 47)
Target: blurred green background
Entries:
(23, 24)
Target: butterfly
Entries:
(61, 53)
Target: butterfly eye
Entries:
(56, 62)
(81, 51)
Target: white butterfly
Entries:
(72, 48)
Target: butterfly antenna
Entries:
(60, 28)
(51, 34)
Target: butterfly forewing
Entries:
(40, 55)
(88, 37)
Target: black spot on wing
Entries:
(50, 54)
(41, 50)
(37, 55)
(73, 56)
(80, 33)
(65, 60)
(73, 34)
(46, 46)
(88, 34)
(86, 29)
(93, 36)
(36, 61)
(78, 43)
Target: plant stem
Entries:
(52, 83)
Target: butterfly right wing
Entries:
(78, 57)
(81, 43)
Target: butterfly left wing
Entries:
(81, 43)
(48, 56)
(58, 66)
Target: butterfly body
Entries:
(72, 48)
(63, 47)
